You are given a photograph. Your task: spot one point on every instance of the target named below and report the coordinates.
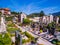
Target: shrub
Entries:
(11, 29)
(24, 41)
(11, 25)
(5, 40)
(26, 21)
(9, 18)
(29, 35)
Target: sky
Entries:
(31, 6)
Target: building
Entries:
(46, 19)
(59, 20)
(6, 11)
(56, 19)
(21, 17)
(15, 19)
(51, 18)
(35, 19)
(2, 25)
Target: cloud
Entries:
(27, 8)
(40, 2)
(50, 9)
(32, 7)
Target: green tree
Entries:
(41, 13)
(14, 12)
(11, 29)
(51, 24)
(59, 19)
(26, 21)
(0, 13)
(9, 18)
(5, 40)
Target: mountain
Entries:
(33, 15)
(37, 14)
(56, 14)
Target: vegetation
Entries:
(16, 13)
(58, 27)
(29, 35)
(33, 15)
(25, 41)
(0, 13)
(5, 39)
(11, 29)
(36, 14)
(9, 18)
(30, 38)
(10, 25)
(41, 31)
(58, 43)
(55, 41)
(41, 14)
(56, 14)
(59, 19)
(26, 21)
(51, 24)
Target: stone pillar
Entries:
(18, 38)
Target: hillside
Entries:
(36, 14)
(33, 15)
(56, 14)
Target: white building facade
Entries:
(21, 17)
(35, 19)
(6, 11)
(51, 18)
(45, 19)
(57, 20)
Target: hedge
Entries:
(29, 35)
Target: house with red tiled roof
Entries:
(6, 11)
